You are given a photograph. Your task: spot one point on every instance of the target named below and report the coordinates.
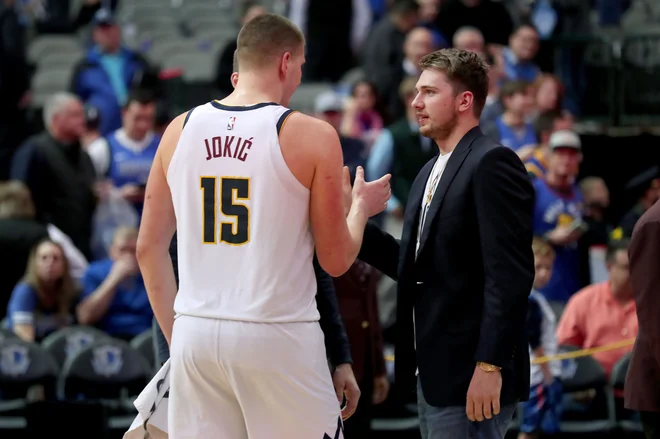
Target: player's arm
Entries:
(156, 231)
(337, 237)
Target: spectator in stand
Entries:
(114, 297)
(558, 214)
(598, 230)
(512, 129)
(110, 71)
(542, 412)
(549, 95)
(428, 15)
(58, 172)
(42, 302)
(125, 156)
(19, 233)
(418, 43)
(544, 126)
(471, 39)
(92, 122)
(518, 58)
(383, 52)
(604, 312)
(363, 117)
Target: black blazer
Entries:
(470, 283)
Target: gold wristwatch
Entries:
(488, 367)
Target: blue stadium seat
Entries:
(66, 342)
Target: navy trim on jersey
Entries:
(280, 122)
(185, 121)
(220, 106)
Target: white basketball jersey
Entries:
(245, 245)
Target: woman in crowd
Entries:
(42, 302)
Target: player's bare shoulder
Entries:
(170, 139)
(306, 142)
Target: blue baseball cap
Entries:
(103, 17)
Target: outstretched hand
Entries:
(371, 196)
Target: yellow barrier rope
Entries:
(572, 354)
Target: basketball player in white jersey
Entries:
(253, 189)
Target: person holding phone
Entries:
(558, 214)
(124, 157)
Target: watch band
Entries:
(488, 367)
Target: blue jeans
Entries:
(453, 423)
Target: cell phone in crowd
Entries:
(579, 225)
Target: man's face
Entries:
(565, 162)
(428, 10)
(108, 37)
(598, 195)
(419, 43)
(542, 271)
(436, 104)
(70, 120)
(123, 247)
(619, 271)
(470, 41)
(139, 119)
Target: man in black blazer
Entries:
(464, 264)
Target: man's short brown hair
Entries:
(265, 38)
(466, 71)
(514, 87)
(542, 249)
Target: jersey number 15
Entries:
(236, 232)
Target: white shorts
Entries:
(240, 380)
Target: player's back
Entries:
(245, 246)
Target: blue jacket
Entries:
(92, 84)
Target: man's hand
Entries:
(372, 196)
(381, 389)
(564, 235)
(347, 190)
(483, 397)
(526, 152)
(346, 386)
(124, 268)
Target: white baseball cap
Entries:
(565, 139)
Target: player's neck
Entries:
(449, 143)
(253, 90)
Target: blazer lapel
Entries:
(453, 165)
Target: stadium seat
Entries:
(50, 44)
(61, 60)
(627, 421)
(352, 76)
(144, 344)
(586, 374)
(162, 50)
(66, 342)
(23, 366)
(46, 82)
(108, 369)
(196, 66)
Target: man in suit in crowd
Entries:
(464, 264)
(642, 388)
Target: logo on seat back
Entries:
(14, 360)
(107, 360)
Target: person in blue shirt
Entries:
(558, 214)
(512, 128)
(518, 58)
(41, 303)
(114, 297)
(124, 157)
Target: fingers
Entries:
(469, 409)
(339, 389)
(359, 174)
(496, 406)
(349, 409)
(488, 409)
(385, 179)
(347, 175)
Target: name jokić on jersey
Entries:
(216, 147)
